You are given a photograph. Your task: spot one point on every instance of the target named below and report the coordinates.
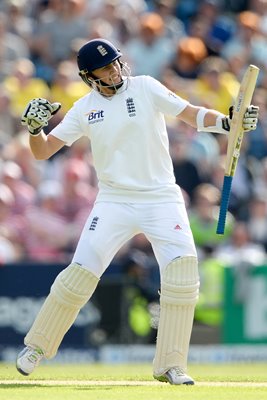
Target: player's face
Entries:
(110, 74)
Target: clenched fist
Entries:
(37, 114)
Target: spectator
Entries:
(260, 7)
(122, 17)
(150, 51)
(48, 232)
(183, 68)
(248, 42)
(240, 248)
(190, 52)
(79, 195)
(242, 185)
(8, 120)
(186, 171)
(257, 220)
(49, 45)
(218, 171)
(174, 27)
(65, 86)
(98, 27)
(23, 85)
(211, 24)
(260, 183)
(12, 48)
(209, 310)
(17, 149)
(186, 9)
(215, 86)
(18, 22)
(257, 143)
(12, 228)
(141, 266)
(204, 151)
(23, 192)
(203, 217)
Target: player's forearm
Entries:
(200, 117)
(39, 146)
(209, 120)
(211, 116)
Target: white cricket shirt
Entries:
(129, 140)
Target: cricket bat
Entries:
(235, 138)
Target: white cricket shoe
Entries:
(28, 359)
(175, 376)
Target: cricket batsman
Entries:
(123, 118)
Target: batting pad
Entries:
(179, 295)
(71, 290)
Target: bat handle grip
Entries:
(227, 183)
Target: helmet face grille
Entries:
(98, 85)
(96, 54)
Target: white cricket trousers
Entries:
(110, 225)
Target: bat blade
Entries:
(235, 137)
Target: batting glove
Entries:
(37, 114)
(226, 121)
(250, 119)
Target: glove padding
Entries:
(250, 119)
(37, 114)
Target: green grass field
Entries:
(132, 382)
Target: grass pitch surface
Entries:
(132, 382)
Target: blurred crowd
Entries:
(199, 49)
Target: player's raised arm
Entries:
(35, 116)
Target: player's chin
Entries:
(117, 81)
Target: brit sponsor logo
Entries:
(95, 116)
